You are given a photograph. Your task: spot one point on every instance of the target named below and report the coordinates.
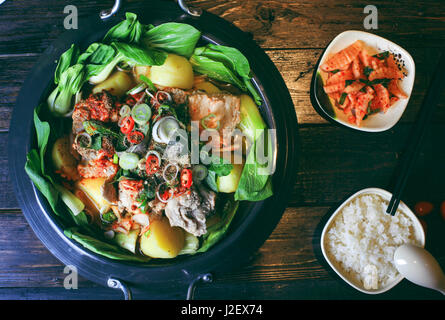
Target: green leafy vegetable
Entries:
(130, 54)
(96, 58)
(218, 230)
(70, 83)
(129, 30)
(101, 247)
(211, 180)
(34, 171)
(226, 64)
(94, 127)
(179, 38)
(220, 166)
(134, 54)
(216, 70)
(67, 59)
(254, 184)
(97, 143)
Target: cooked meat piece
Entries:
(156, 206)
(109, 192)
(88, 154)
(178, 96)
(208, 197)
(189, 211)
(220, 110)
(129, 191)
(99, 168)
(99, 106)
(177, 152)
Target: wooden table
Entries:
(333, 164)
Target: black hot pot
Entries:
(254, 221)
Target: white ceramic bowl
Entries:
(334, 265)
(380, 121)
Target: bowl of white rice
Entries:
(360, 238)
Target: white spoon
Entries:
(419, 266)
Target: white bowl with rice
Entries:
(360, 238)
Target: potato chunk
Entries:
(176, 72)
(117, 84)
(92, 187)
(141, 70)
(162, 240)
(207, 87)
(62, 159)
(229, 183)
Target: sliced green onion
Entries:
(167, 127)
(148, 82)
(108, 217)
(124, 111)
(115, 158)
(141, 113)
(128, 160)
(206, 119)
(140, 87)
(367, 71)
(199, 172)
(123, 66)
(382, 55)
(342, 98)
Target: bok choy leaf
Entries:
(131, 54)
(179, 38)
(70, 82)
(67, 59)
(225, 64)
(129, 30)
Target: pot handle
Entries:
(107, 13)
(206, 278)
(195, 12)
(118, 284)
(121, 285)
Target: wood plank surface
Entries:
(333, 162)
(295, 65)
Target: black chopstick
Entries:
(436, 86)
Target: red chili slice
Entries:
(186, 178)
(135, 137)
(127, 125)
(166, 195)
(152, 164)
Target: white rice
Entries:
(362, 239)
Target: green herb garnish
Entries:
(382, 55)
(349, 82)
(367, 71)
(342, 98)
